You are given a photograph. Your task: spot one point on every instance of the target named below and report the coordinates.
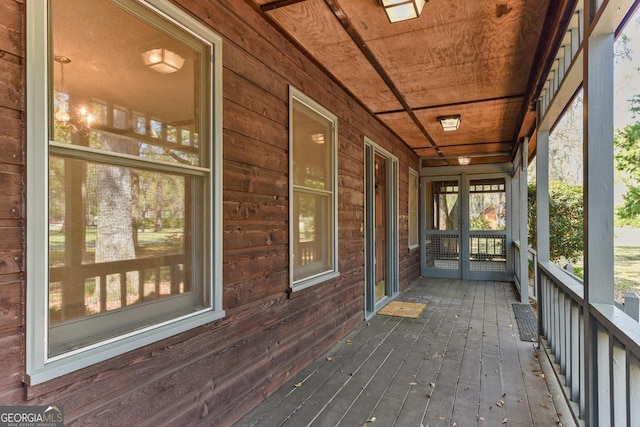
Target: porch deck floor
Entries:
(460, 363)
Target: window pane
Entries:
(443, 207)
(118, 238)
(487, 205)
(312, 247)
(125, 65)
(312, 157)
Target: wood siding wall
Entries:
(218, 372)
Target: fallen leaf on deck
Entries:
(371, 420)
(433, 385)
(504, 421)
(349, 342)
(330, 358)
(442, 418)
(480, 418)
(298, 384)
(500, 403)
(413, 383)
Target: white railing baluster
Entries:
(603, 375)
(634, 389)
(619, 395)
(575, 352)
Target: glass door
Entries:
(381, 227)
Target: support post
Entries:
(598, 206)
(524, 208)
(542, 216)
(542, 196)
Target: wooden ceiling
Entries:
(481, 59)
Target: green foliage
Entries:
(627, 159)
(479, 223)
(565, 220)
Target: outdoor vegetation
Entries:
(566, 172)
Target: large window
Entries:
(313, 134)
(122, 241)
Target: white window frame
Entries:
(297, 95)
(39, 366)
(413, 223)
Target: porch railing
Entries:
(612, 387)
(522, 277)
(153, 277)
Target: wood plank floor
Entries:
(461, 363)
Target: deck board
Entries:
(461, 362)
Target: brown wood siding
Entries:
(217, 372)
(11, 202)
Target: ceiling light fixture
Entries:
(464, 160)
(62, 99)
(163, 60)
(450, 123)
(318, 138)
(401, 10)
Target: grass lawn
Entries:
(626, 270)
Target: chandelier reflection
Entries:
(82, 119)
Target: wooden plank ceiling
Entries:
(481, 59)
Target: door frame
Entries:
(464, 175)
(371, 149)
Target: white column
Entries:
(523, 218)
(542, 195)
(598, 168)
(598, 207)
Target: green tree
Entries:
(627, 159)
(565, 220)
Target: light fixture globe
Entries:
(401, 10)
(450, 123)
(464, 160)
(163, 60)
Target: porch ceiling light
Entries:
(464, 160)
(401, 10)
(318, 138)
(162, 60)
(450, 123)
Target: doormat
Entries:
(527, 322)
(403, 309)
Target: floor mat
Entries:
(403, 309)
(527, 322)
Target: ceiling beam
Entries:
(278, 3)
(456, 104)
(362, 45)
(474, 144)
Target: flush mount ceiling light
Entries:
(318, 138)
(162, 60)
(450, 123)
(401, 10)
(464, 161)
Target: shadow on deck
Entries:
(460, 363)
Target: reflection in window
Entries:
(313, 206)
(128, 215)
